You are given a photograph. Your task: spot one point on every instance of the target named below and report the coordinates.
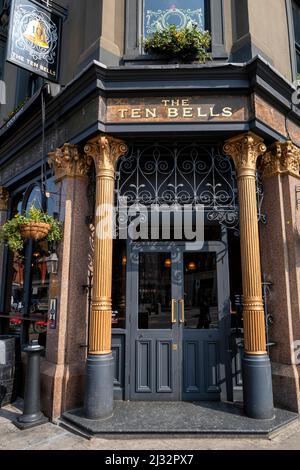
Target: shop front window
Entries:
(159, 14)
(27, 304)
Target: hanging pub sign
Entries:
(34, 38)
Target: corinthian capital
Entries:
(105, 151)
(283, 158)
(69, 162)
(245, 150)
(3, 198)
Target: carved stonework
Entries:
(3, 198)
(245, 150)
(69, 162)
(105, 151)
(283, 158)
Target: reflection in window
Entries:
(201, 291)
(35, 199)
(155, 291)
(28, 281)
(17, 293)
(159, 14)
(35, 315)
(119, 284)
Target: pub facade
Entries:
(178, 188)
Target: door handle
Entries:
(182, 319)
(173, 303)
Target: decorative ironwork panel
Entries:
(180, 174)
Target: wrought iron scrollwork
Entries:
(180, 174)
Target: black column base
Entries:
(257, 386)
(30, 421)
(99, 392)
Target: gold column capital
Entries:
(4, 195)
(105, 151)
(282, 158)
(245, 149)
(68, 161)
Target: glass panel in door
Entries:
(201, 290)
(155, 296)
(200, 328)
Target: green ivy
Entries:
(185, 43)
(10, 233)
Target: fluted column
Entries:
(105, 151)
(245, 150)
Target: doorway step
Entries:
(203, 418)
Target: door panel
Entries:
(211, 367)
(204, 290)
(191, 367)
(164, 366)
(144, 366)
(156, 354)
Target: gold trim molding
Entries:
(283, 158)
(4, 196)
(68, 161)
(245, 149)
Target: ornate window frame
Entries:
(133, 30)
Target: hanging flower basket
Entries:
(35, 225)
(35, 230)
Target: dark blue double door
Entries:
(179, 321)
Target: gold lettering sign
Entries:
(184, 109)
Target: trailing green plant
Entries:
(16, 110)
(10, 233)
(185, 43)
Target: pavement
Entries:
(54, 437)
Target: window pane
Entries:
(39, 299)
(17, 292)
(298, 61)
(160, 14)
(155, 291)
(119, 284)
(35, 199)
(200, 290)
(296, 16)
